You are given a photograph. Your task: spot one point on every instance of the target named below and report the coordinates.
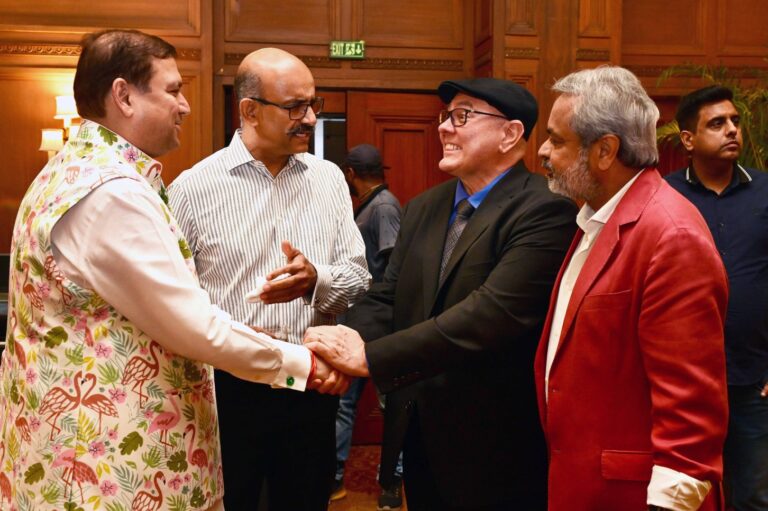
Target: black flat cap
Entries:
(365, 158)
(509, 98)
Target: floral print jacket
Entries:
(95, 414)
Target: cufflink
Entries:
(290, 381)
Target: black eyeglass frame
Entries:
(444, 115)
(318, 100)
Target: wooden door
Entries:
(404, 128)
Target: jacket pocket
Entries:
(618, 300)
(626, 465)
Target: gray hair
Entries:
(611, 100)
(247, 84)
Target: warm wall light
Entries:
(66, 109)
(52, 140)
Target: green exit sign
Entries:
(347, 49)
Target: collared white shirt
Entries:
(235, 213)
(668, 488)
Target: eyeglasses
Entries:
(459, 116)
(296, 111)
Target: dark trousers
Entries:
(282, 436)
(421, 490)
(746, 448)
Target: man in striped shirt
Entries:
(264, 208)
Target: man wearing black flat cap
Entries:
(452, 330)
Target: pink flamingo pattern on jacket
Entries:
(94, 414)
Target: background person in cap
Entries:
(453, 348)
(378, 218)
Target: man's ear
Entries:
(248, 110)
(686, 138)
(606, 150)
(120, 94)
(513, 132)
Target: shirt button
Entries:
(290, 381)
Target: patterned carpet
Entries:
(360, 480)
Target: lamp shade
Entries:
(65, 107)
(51, 140)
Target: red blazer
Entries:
(639, 375)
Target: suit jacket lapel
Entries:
(434, 239)
(627, 211)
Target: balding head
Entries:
(276, 92)
(264, 67)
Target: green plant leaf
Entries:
(178, 461)
(106, 135)
(55, 337)
(34, 474)
(131, 443)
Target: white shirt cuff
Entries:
(671, 489)
(322, 286)
(297, 363)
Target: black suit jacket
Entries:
(459, 358)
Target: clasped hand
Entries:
(328, 380)
(340, 346)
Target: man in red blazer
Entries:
(630, 369)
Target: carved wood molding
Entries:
(56, 50)
(521, 53)
(736, 72)
(234, 59)
(597, 54)
(73, 50)
(188, 54)
(409, 64)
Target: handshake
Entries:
(339, 356)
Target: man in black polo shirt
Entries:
(734, 202)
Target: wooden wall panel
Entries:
(191, 149)
(282, 21)
(20, 133)
(741, 28)
(594, 18)
(661, 27)
(176, 17)
(483, 26)
(404, 23)
(521, 17)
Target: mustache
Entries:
(547, 165)
(302, 129)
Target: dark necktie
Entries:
(463, 211)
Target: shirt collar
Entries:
(239, 155)
(476, 198)
(740, 176)
(591, 221)
(128, 154)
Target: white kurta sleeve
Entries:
(117, 242)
